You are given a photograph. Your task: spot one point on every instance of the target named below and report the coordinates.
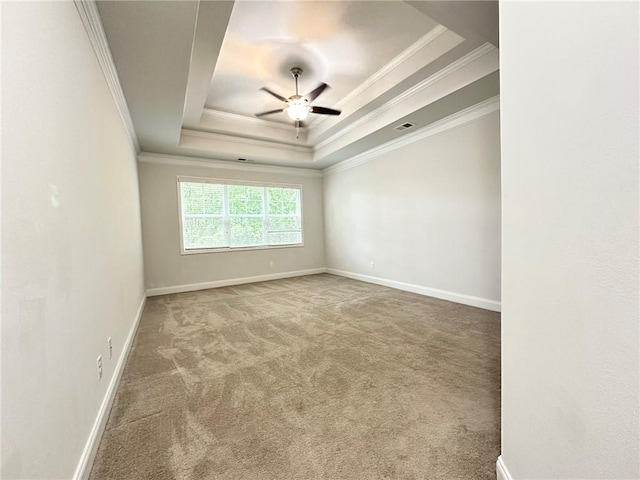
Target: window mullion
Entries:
(205, 209)
(225, 216)
(265, 217)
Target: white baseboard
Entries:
(91, 447)
(151, 292)
(502, 473)
(487, 304)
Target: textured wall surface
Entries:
(72, 271)
(570, 239)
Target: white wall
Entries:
(427, 214)
(570, 239)
(71, 245)
(166, 267)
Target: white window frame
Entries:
(224, 181)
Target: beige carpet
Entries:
(316, 377)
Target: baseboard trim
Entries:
(470, 300)
(502, 473)
(191, 287)
(91, 447)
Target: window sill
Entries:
(239, 249)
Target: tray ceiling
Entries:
(339, 43)
(191, 72)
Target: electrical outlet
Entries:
(372, 265)
(110, 347)
(99, 364)
(272, 264)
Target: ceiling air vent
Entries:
(404, 126)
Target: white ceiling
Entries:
(191, 72)
(339, 43)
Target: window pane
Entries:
(246, 200)
(284, 224)
(227, 215)
(203, 232)
(284, 238)
(201, 198)
(246, 231)
(283, 200)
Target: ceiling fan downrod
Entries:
(296, 72)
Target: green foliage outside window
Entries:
(229, 215)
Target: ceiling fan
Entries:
(299, 106)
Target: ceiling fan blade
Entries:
(315, 93)
(269, 112)
(325, 111)
(279, 97)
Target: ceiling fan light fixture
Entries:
(298, 108)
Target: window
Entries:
(223, 215)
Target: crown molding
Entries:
(405, 55)
(177, 160)
(469, 58)
(458, 119)
(245, 141)
(427, 49)
(88, 11)
(394, 63)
